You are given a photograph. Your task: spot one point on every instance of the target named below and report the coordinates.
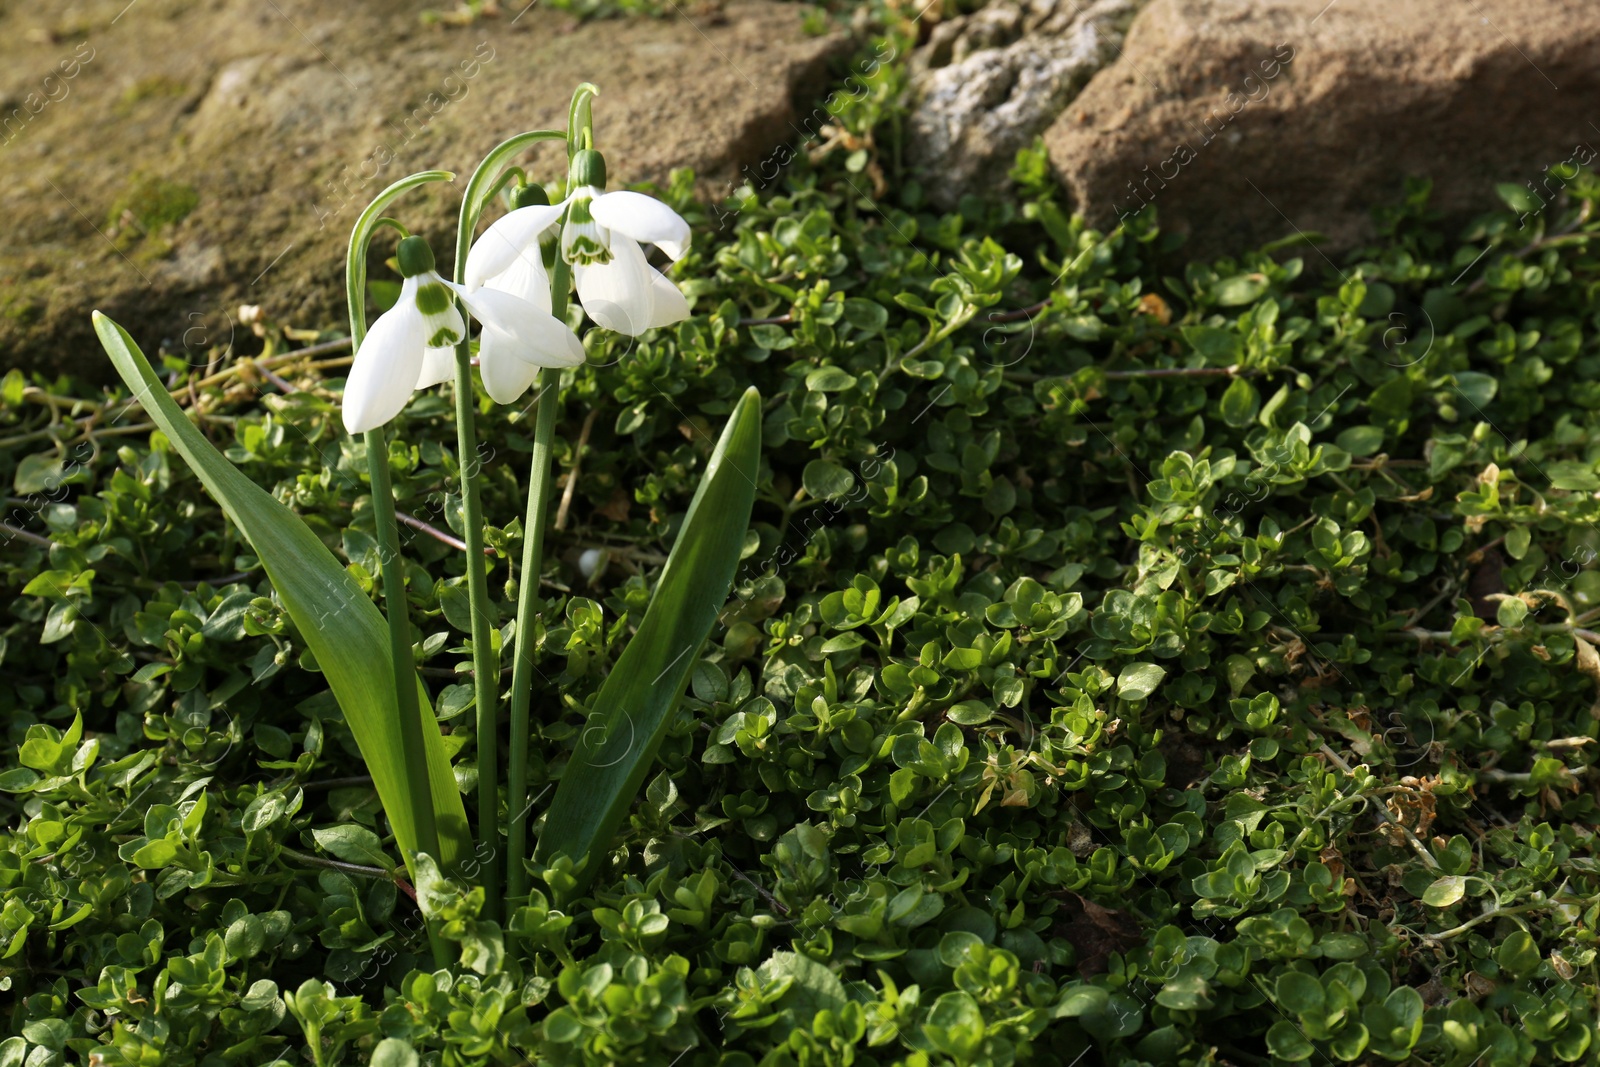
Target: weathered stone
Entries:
(1244, 121)
(990, 82)
(169, 160)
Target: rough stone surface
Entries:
(990, 82)
(1245, 121)
(167, 160)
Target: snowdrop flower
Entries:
(601, 238)
(519, 271)
(412, 345)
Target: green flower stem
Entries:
(485, 653)
(528, 604)
(409, 707)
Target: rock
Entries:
(988, 83)
(1245, 121)
(169, 160)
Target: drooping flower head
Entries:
(600, 238)
(412, 345)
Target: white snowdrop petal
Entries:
(505, 376)
(438, 366)
(538, 337)
(525, 277)
(668, 304)
(501, 243)
(618, 295)
(386, 367)
(442, 321)
(645, 219)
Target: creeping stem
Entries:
(485, 653)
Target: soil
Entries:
(166, 161)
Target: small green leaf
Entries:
(1518, 538)
(825, 480)
(1360, 441)
(155, 854)
(829, 380)
(1300, 993)
(1240, 402)
(1138, 680)
(1445, 891)
(1518, 955)
(1286, 1042)
(1239, 289)
(38, 473)
(970, 713)
(353, 844)
(1511, 612)
(392, 1052)
(1078, 1000)
(1572, 475)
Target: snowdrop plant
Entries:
(514, 281)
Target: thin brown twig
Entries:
(572, 475)
(23, 535)
(1234, 371)
(284, 386)
(437, 534)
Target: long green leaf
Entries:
(637, 699)
(340, 625)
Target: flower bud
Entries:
(415, 257)
(588, 168)
(530, 196)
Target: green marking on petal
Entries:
(578, 211)
(588, 251)
(433, 299)
(445, 335)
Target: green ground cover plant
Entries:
(1132, 660)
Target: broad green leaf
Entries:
(635, 703)
(340, 625)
